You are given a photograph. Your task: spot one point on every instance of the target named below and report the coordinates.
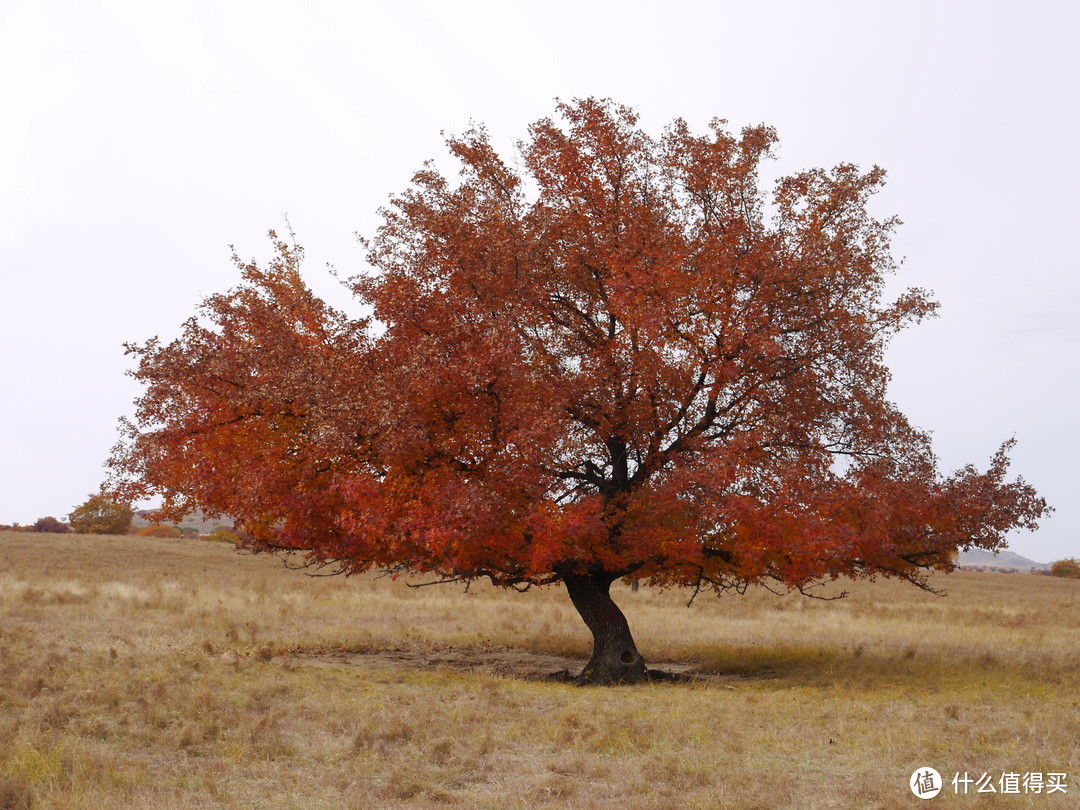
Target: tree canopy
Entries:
(620, 355)
(101, 515)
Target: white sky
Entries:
(138, 140)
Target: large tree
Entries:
(619, 356)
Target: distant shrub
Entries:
(1069, 568)
(99, 515)
(189, 531)
(157, 530)
(51, 525)
(220, 535)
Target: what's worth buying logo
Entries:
(926, 783)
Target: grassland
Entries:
(138, 672)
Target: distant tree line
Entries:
(99, 515)
(1068, 568)
(46, 524)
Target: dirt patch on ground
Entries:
(523, 664)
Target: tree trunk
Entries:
(615, 658)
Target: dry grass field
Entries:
(147, 673)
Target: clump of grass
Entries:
(16, 792)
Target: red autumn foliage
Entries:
(623, 357)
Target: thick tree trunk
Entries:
(615, 658)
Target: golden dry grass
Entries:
(153, 673)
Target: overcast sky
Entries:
(138, 140)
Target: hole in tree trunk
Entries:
(627, 656)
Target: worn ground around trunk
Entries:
(510, 663)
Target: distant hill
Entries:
(1003, 559)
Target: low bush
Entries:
(220, 535)
(1068, 568)
(157, 530)
(51, 525)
